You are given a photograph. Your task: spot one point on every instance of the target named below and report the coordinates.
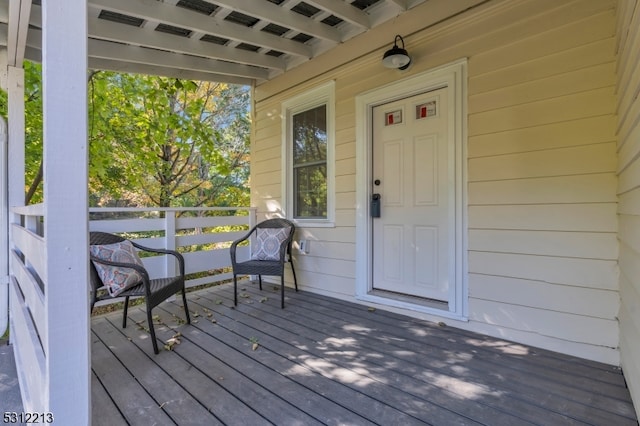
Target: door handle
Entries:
(375, 205)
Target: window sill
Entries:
(313, 223)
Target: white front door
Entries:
(413, 163)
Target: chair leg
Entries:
(295, 280)
(282, 290)
(152, 331)
(184, 302)
(235, 290)
(260, 281)
(124, 315)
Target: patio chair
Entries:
(271, 250)
(117, 271)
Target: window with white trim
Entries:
(308, 126)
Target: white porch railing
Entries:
(29, 330)
(202, 235)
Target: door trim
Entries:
(454, 76)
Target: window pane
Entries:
(310, 186)
(310, 163)
(310, 136)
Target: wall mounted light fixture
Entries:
(397, 57)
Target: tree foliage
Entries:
(153, 141)
(156, 141)
(33, 129)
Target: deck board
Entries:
(399, 377)
(270, 369)
(415, 375)
(426, 362)
(135, 404)
(326, 361)
(488, 355)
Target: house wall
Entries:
(542, 249)
(628, 108)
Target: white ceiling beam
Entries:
(134, 68)
(111, 31)
(19, 11)
(142, 55)
(344, 11)
(286, 18)
(35, 55)
(193, 21)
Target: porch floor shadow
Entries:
(326, 361)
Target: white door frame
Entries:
(454, 76)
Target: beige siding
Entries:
(628, 88)
(541, 167)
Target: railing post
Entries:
(15, 150)
(170, 242)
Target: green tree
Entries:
(33, 129)
(167, 142)
(153, 141)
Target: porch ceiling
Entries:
(235, 41)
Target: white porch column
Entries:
(4, 231)
(4, 203)
(64, 71)
(15, 145)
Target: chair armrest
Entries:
(174, 253)
(138, 268)
(234, 245)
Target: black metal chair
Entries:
(154, 290)
(270, 266)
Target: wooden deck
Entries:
(325, 361)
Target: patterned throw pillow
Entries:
(268, 243)
(116, 278)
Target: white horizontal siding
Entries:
(542, 178)
(554, 324)
(584, 188)
(591, 273)
(628, 111)
(589, 217)
(586, 245)
(560, 161)
(542, 167)
(581, 132)
(539, 294)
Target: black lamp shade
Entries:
(396, 57)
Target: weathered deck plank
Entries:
(393, 377)
(419, 379)
(270, 369)
(104, 413)
(443, 358)
(135, 404)
(523, 367)
(325, 361)
(375, 404)
(174, 400)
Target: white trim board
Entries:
(322, 94)
(454, 76)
